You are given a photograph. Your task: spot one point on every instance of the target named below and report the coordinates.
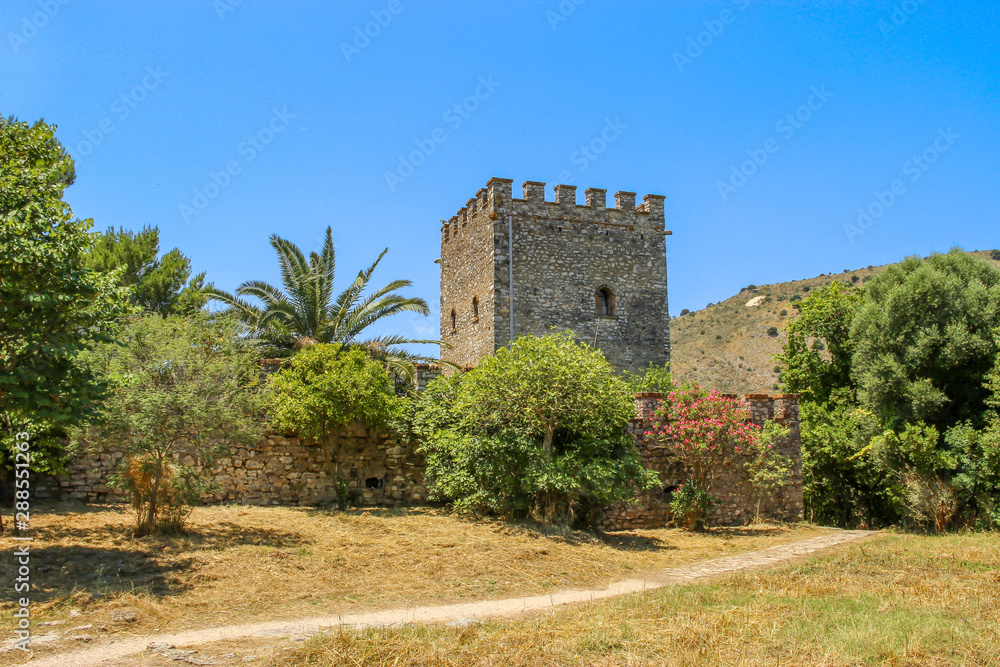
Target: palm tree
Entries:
(306, 312)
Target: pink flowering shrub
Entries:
(704, 432)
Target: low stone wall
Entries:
(381, 469)
(384, 469)
(737, 504)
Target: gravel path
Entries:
(456, 613)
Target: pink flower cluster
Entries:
(701, 426)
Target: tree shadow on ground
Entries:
(220, 535)
(61, 571)
(632, 542)
(225, 535)
(746, 531)
(374, 510)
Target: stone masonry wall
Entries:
(385, 470)
(280, 470)
(563, 253)
(467, 275)
(738, 506)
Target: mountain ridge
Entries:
(727, 345)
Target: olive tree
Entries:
(177, 387)
(535, 430)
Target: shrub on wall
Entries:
(326, 387)
(654, 379)
(706, 432)
(535, 430)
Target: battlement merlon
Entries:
(497, 198)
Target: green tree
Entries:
(825, 315)
(326, 387)
(159, 283)
(843, 483)
(309, 312)
(536, 429)
(51, 307)
(923, 338)
(653, 378)
(179, 387)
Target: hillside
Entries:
(726, 346)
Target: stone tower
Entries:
(517, 266)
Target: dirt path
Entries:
(456, 612)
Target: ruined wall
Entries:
(382, 469)
(563, 253)
(738, 501)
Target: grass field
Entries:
(241, 563)
(892, 600)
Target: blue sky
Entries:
(767, 125)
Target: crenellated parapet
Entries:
(497, 198)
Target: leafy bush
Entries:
(651, 379)
(705, 432)
(690, 504)
(772, 331)
(326, 387)
(684, 311)
(535, 430)
(995, 255)
(177, 386)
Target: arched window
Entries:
(452, 319)
(605, 302)
(475, 309)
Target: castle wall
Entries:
(737, 503)
(563, 252)
(384, 469)
(381, 469)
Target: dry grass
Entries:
(239, 563)
(896, 600)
